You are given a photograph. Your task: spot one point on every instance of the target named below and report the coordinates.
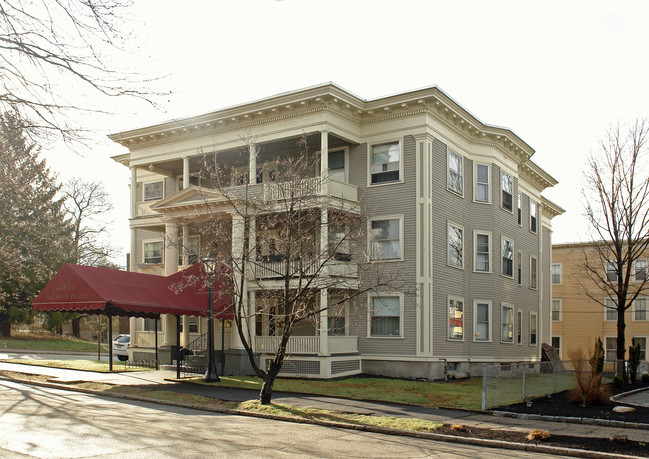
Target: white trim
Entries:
(448, 318)
(606, 309)
(398, 141)
(634, 269)
(560, 265)
(148, 182)
(448, 251)
(345, 151)
(519, 206)
(475, 182)
(646, 309)
(162, 255)
(606, 359)
(560, 300)
(475, 251)
(501, 192)
(475, 320)
(371, 295)
(370, 239)
(504, 305)
(448, 172)
(502, 264)
(536, 322)
(535, 215)
(536, 277)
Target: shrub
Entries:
(588, 376)
(634, 360)
(617, 382)
(645, 378)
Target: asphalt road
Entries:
(43, 422)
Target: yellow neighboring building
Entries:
(578, 320)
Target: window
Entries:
(533, 272)
(611, 348)
(339, 243)
(556, 274)
(336, 322)
(556, 343)
(153, 191)
(150, 325)
(482, 182)
(337, 166)
(482, 252)
(507, 324)
(611, 271)
(532, 216)
(533, 325)
(152, 252)
(519, 268)
(455, 173)
(455, 246)
(556, 310)
(385, 316)
(640, 270)
(610, 310)
(482, 325)
(193, 325)
(643, 346)
(520, 209)
(191, 250)
(455, 318)
(640, 308)
(519, 327)
(506, 185)
(386, 239)
(385, 163)
(508, 258)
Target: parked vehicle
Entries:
(121, 345)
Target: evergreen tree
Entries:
(35, 236)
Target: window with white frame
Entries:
(519, 268)
(337, 166)
(507, 250)
(482, 320)
(610, 310)
(385, 163)
(336, 318)
(455, 246)
(152, 251)
(482, 255)
(455, 318)
(507, 189)
(385, 316)
(611, 271)
(193, 324)
(153, 191)
(640, 308)
(556, 274)
(642, 341)
(532, 216)
(386, 238)
(533, 328)
(520, 209)
(556, 310)
(533, 272)
(482, 175)
(507, 324)
(556, 343)
(610, 343)
(640, 270)
(519, 327)
(455, 172)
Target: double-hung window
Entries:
(520, 209)
(507, 324)
(385, 163)
(482, 182)
(507, 186)
(642, 341)
(508, 258)
(519, 268)
(533, 328)
(610, 310)
(533, 272)
(153, 191)
(455, 318)
(455, 172)
(150, 325)
(611, 348)
(519, 327)
(152, 252)
(556, 343)
(386, 239)
(482, 246)
(556, 274)
(640, 308)
(482, 320)
(556, 310)
(455, 246)
(385, 316)
(611, 271)
(640, 270)
(532, 216)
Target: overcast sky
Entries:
(557, 73)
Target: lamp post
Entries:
(211, 375)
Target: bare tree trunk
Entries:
(621, 325)
(5, 325)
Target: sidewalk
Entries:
(159, 380)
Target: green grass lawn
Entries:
(36, 342)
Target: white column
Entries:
(171, 248)
(133, 192)
(184, 337)
(324, 162)
(238, 235)
(252, 165)
(132, 325)
(324, 297)
(252, 312)
(185, 171)
(185, 245)
(133, 260)
(168, 329)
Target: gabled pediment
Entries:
(192, 195)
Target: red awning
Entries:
(102, 290)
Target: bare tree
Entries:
(303, 251)
(48, 46)
(617, 197)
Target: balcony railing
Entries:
(307, 344)
(309, 187)
(274, 269)
(143, 209)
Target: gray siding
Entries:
(546, 283)
(141, 235)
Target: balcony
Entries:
(310, 187)
(306, 345)
(143, 209)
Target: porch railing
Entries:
(307, 344)
(309, 187)
(143, 209)
(271, 269)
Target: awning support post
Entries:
(157, 365)
(178, 353)
(110, 342)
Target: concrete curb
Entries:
(615, 398)
(382, 430)
(573, 420)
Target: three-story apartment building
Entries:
(457, 204)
